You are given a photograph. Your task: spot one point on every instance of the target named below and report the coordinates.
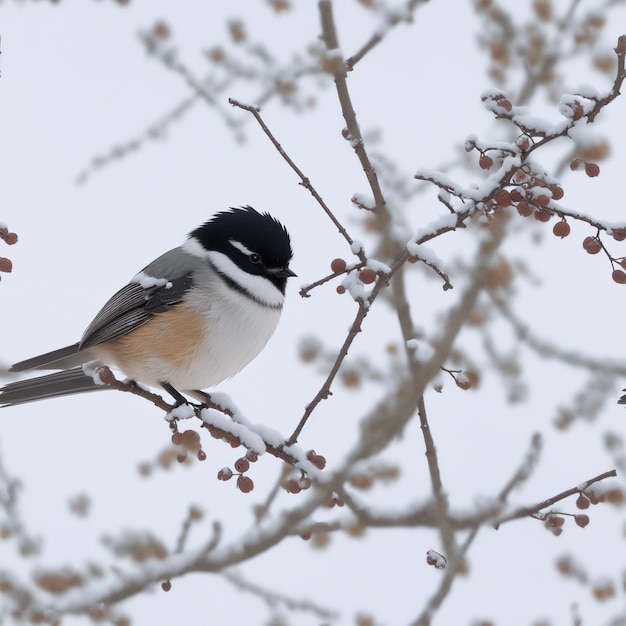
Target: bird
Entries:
(192, 318)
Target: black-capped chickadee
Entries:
(192, 318)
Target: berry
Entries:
(292, 486)
(516, 195)
(592, 245)
(524, 209)
(543, 215)
(245, 484)
(305, 482)
(341, 289)
(338, 266)
(619, 277)
(581, 520)
(619, 234)
(502, 198)
(5, 265)
(592, 169)
(367, 276)
(485, 162)
(316, 459)
(582, 501)
(561, 229)
(242, 465)
(166, 585)
(557, 193)
(225, 474)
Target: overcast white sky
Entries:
(75, 82)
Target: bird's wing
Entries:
(159, 286)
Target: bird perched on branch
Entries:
(192, 318)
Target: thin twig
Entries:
(304, 180)
(535, 508)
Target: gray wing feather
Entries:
(50, 386)
(133, 305)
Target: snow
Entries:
(356, 247)
(182, 412)
(424, 253)
(147, 281)
(251, 440)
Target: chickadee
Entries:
(192, 318)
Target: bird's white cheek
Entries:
(258, 287)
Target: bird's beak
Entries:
(283, 272)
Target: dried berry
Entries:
(316, 459)
(225, 474)
(592, 245)
(485, 162)
(367, 276)
(245, 484)
(338, 266)
(292, 486)
(582, 502)
(619, 234)
(619, 277)
(305, 482)
(524, 209)
(341, 289)
(166, 585)
(502, 198)
(581, 520)
(557, 193)
(592, 169)
(543, 215)
(242, 465)
(252, 456)
(561, 229)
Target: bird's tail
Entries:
(61, 359)
(63, 383)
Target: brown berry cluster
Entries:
(10, 239)
(296, 484)
(224, 435)
(188, 442)
(245, 484)
(339, 266)
(554, 521)
(334, 501)
(593, 245)
(317, 460)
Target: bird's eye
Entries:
(255, 258)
